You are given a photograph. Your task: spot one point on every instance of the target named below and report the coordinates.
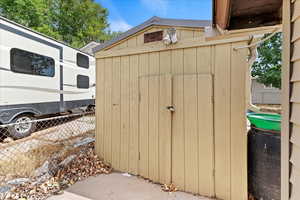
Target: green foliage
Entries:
(112, 34)
(75, 22)
(267, 67)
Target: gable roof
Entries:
(88, 48)
(155, 21)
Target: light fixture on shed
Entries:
(171, 36)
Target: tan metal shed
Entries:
(175, 113)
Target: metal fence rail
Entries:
(52, 141)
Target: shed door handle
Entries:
(171, 108)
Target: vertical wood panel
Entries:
(190, 61)
(238, 120)
(108, 110)
(177, 121)
(165, 62)
(165, 126)
(153, 117)
(205, 135)
(125, 113)
(100, 107)
(222, 121)
(116, 110)
(165, 99)
(204, 60)
(190, 120)
(134, 115)
(144, 116)
(191, 134)
(153, 63)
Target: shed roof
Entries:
(158, 22)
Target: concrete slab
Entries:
(116, 186)
(68, 196)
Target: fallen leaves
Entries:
(169, 188)
(86, 164)
(35, 192)
(82, 167)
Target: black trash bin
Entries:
(264, 164)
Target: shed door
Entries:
(155, 128)
(177, 146)
(192, 134)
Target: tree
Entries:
(75, 22)
(112, 34)
(267, 67)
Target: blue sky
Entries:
(124, 14)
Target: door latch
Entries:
(171, 108)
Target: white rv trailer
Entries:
(39, 76)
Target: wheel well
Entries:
(24, 113)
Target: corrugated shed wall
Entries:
(209, 156)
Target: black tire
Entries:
(91, 108)
(22, 129)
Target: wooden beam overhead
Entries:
(240, 14)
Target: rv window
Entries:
(82, 60)
(31, 63)
(83, 82)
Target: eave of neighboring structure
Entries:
(240, 14)
(88, 48)
(155, 21)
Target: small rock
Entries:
(84, 142)
(5, 189)
(126, 174)
(44, 169)
(8, 140)
(42, 179)
(66, 161)
(18, 181)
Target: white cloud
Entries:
(160, 6)
(119, 25)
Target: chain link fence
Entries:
(31, 148)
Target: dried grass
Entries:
(24, 164)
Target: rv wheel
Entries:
(22, 129)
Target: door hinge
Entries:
(139, 155)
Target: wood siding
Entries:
(138, 39)
(207, 146)
(291, 102)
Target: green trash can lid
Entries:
(265, 121)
